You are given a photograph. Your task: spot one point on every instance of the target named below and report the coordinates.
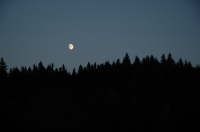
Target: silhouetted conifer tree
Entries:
(24, 75)
(74, 72)
(137, 62)
(126, 61)
(180, 63)
(35, 70)
(81, 75)
(88, 66)
(41, 68)
(64, 70)
(126, 71)
(80, 70)
(3, 75)
(188, 65)
(118, 63)
(56, 72)
(107, 71)
(95, 66)
(163, 59)
(151, 59)
(113, 64)
(3, 69)
(170, 61)
(146, 61)
(23, 70)
(137, 66)
(29, 70)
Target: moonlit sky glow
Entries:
(102, 30)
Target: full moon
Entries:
(71, 46)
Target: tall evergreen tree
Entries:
(35, 69)
(88, 66)
(3, 69)
(29, 70)
(126, 61)
(137, 61)
(146, 61)
(3, 73)
(23, 70)
(137, 66)
(80, 70)
(152, 60)
(118, 63)
(180, 63)
(74, 72)
(163, 59)
(95, 66)
(170, 60)
(41, 68)
(188, 65)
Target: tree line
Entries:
(145, 94)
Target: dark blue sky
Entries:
(101, 30)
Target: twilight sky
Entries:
(101, 30)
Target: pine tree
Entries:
(3, 69)
(126, 70)
(74, 72)
(145, 61)
(152, 60)
(41, 68)
(188, 65)
(118, 63)
(137, 61)
(126, 61)
(170, 60)
(95, 66)
(163, 59)
(137, 65)
(180, 63)
(3, 65)
(80, 70)
(88, 66)
(3, 73)
(35, 69)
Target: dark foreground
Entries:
(140, 96)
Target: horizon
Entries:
(121, 60)
(34, 31)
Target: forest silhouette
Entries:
(120, 96)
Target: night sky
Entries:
(101, 30)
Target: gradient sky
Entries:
(101, 30)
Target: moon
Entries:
(71, 46)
